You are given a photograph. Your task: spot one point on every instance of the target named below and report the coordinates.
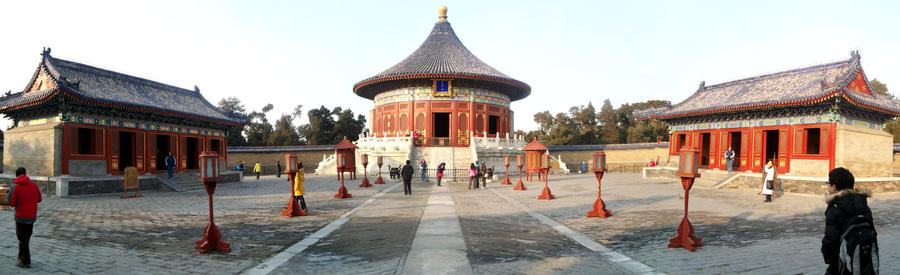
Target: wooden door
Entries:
(139, 151)
(724, 141)
(712, 151)
(783, 165)
(744, 158)
(152, 152)
(113, 135)
(759, 137)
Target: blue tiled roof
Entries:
(442, 55)
(798, 86)
(108, 87)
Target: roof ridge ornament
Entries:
(442, 10)
(702, 85)
(196, 89)
(46, 51)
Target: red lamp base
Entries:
(379, 180)
(520, 186)
(506, 181)
(599, 209)
(212, 240)
(342, 193)
(293, 209)
(545, 195)
(685, 237)
(365, 182)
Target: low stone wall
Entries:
(310, 156)
(629, 156)
(113, 185)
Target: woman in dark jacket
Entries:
(843, 202)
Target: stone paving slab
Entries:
(439, 247)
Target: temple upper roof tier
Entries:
(442, 56)
(798, 87)
(94, 86)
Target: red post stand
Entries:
(599, 209)
(342, 192)
(209, 175)
(365, 163)
(379, 180)
(685, 237)
(519, 164)
(293, 208)
(689, 163)
(546, 195)
(506, 176)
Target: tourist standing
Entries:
(240, 169)
(406, 173)
(473, 172)
(278, 169)
(477, 173)
(299, 188)
(24, 195)
(583, 166)
(170, 164)
(256, 169)
(440, 172)
(768, 184)
(729, 158)
(424, 166)
(848, 207)
(482, 173)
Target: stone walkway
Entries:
(382, 231)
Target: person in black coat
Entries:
(843, 202)
(406, 173)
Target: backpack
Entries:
(859, 247)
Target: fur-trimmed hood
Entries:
(838, 194)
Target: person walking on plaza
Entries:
(848, 212)
(256, 169)
(278, 169)
(170, 164)
(424, 166)
(583, 166)
(473, 172)
(406, 173)
(477, 173)
(299, 188)
(440, 172)
(768, 183)
(729, 159)
(24, 195)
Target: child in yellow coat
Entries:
(299, 189)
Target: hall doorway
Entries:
(441, 127)
(771, 147)
(126, 150)
(163, 147)
(704, 150)
(193, 152)
(736, 146)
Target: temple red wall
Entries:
(465, 116)
(143, 150)
(791, 144)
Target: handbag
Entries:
(770, 184)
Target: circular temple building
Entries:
(441, 95)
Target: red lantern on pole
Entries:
(365, 163)
(519, 164)
(506, 180)
(533, 153)
(599, 168)
(379, 180)
(209, 175)
(688, 170)
(342, 191)
(290, 168)
(545, 165)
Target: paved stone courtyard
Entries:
(375, 231)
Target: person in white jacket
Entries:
(768, 183)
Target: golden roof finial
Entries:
(443, 11)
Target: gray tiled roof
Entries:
(798, 86)
(111, 88)
(442, 55)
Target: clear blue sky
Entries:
(570, 52)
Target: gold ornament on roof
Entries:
(443, 11)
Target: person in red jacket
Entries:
(24, 196)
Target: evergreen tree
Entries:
(285, 134)
(259, 130)
(233, 106)
(320, 130)
(609, 131)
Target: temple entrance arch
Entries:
(771, 146)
